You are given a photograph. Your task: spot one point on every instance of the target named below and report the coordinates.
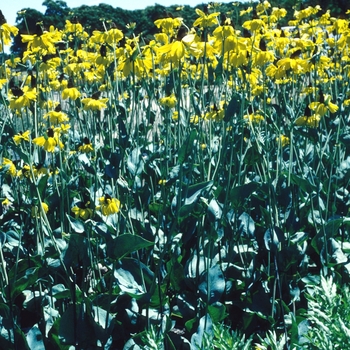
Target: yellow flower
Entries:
(262, 7)
(175, 116)
(278, 13)
(3, 82)
(245, 12)
(36, 212)
(108, 205)
(215, 113)
(204, 20)
(346, 102)
(62, 129)
(56, 117)
(168, 25)
(43, 43)
(22, 136)
(38, 170)
(6, 32)
(284, 140)
(172, 52)
(71, 92)
(81, 210)
(50, 142)
(113, 36)
(22, 98)
(309, 121)
(194, 119)
(323, 105)
(10, 167)
(13, 62)
(86, 147)
(254, 118)
(6, 203)
(168, 101)
(94, 104)
(73, 27)
(254, 25)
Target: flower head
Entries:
(6, 31)
(9, 166)
(21, 136)
(283, 140)
(20, 98)
(168, 101)
(82, 210)
(50, 142)
(108, 205)
(323, 105)
(56, 116)
(36, 212)
(205, 20)
(71, 92)
(86, 147)
(93, 104)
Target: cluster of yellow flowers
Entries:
(263, 54)
(74, 74)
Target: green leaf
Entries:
(189, 198)
(273, 239)
(205, 327)
(212, 284)
(112, 169)
(217, 312)
(176, 274)
(77, 251)
(85, 162)
(41, 184)
(303, 184)
(76, 224)
(35, 338)
(332, 254)
(246, 225)
(240, 194)
(233, 107)
(190, 324)
(126, 244)
(133, 277)
(30, 277)
(135, 162)
(75, 326)
(187, 147)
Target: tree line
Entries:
(31, 21)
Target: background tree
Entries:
(26, 20)
(93, 17)
(56, 13)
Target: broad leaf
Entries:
(240, 194)
(246, 225)
(273, 239)
(205, 327)
(76, 224)
(187, 147)
(35, 338)
(126, 244)
(30, 277)
(133, 277)
(211, 284)
(303, 184)
(233, 107)
(135, 162)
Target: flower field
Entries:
(188, 190)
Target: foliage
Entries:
(181, 189)
(327, 319)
